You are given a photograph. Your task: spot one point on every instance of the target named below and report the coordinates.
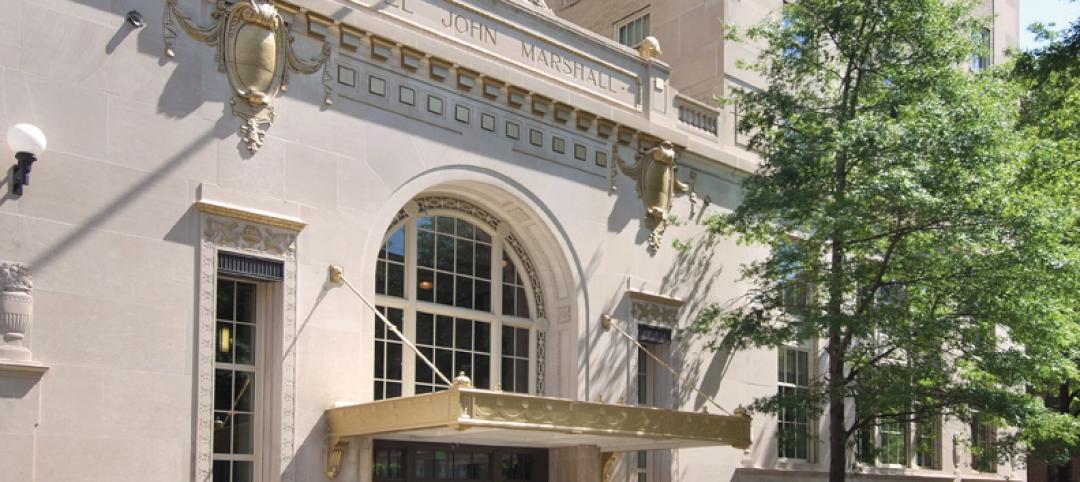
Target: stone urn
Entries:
(16, 311)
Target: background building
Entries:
(475, 168)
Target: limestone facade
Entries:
(492, 111)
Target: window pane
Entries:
(461, 465)
(221, 470)
(226, 297)
(222, 433)
(222, 389)
(425, 328)
(396, 281)
(243, 471)
(463, 363)
(393, 361)
(380, 278)
(508, 374)
(444, 361)
(482, 332)
(480, 464)
(444, 332)
(444, 253)
(521, 341)
(442, 464)
(521, 376)
(464, 255)
(463, 339)
(483, 296)
(464, 292)
(425, 249)
(508, 341)
(380, 367)
(444, 288)
(483, 261)
(425, 285)
(395, 246)
(242, 434)
(423, 371)
(445, 224)
(244, 390)
(224, 342)
(245, 302)
(508, 300)
(482, 377)
(522, 309)
(393, 390)
(422, 464)
(245, 344)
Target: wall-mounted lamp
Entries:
(135, 19)
(27, 141)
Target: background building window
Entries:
(983, 452)
(981, 59)
(793, 425)
(632, 31)
(236, 382)
(928, 443)
(465, 313)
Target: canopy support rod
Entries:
(337, 275)
(609, 323)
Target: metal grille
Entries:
(250, 266)
(653, 334)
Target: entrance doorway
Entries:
(395, 461)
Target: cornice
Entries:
(258, 217)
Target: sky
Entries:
(1061, 12)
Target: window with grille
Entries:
(632, 31)
(237, 381)
(793, 424)
(465, 312)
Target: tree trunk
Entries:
(837, 441)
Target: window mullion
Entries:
(497, 247)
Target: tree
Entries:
(1050, 121)
(891, 182)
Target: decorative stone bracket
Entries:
(254, 50)
(654, 173)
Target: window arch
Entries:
(465, 294)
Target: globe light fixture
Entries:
(27, 141)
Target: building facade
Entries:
(375, 240)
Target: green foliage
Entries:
(898, 184)
(1050, 124)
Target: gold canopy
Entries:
(482, 417)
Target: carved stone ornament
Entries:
(650, 48)
(16, 310)
(655, 175)
(254, 49)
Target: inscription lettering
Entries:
(515, 45)
(470, 27)
(560, 64)
(399, 4)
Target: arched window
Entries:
(456, 289)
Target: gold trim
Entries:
(654, 298)
(464, 408)
(208, 207)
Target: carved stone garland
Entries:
(454, 204)
(220, 233)
(254, 50)
(654, 173)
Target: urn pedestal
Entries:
(16, 315)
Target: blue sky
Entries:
(1061, 12)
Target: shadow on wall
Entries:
(16, 387)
